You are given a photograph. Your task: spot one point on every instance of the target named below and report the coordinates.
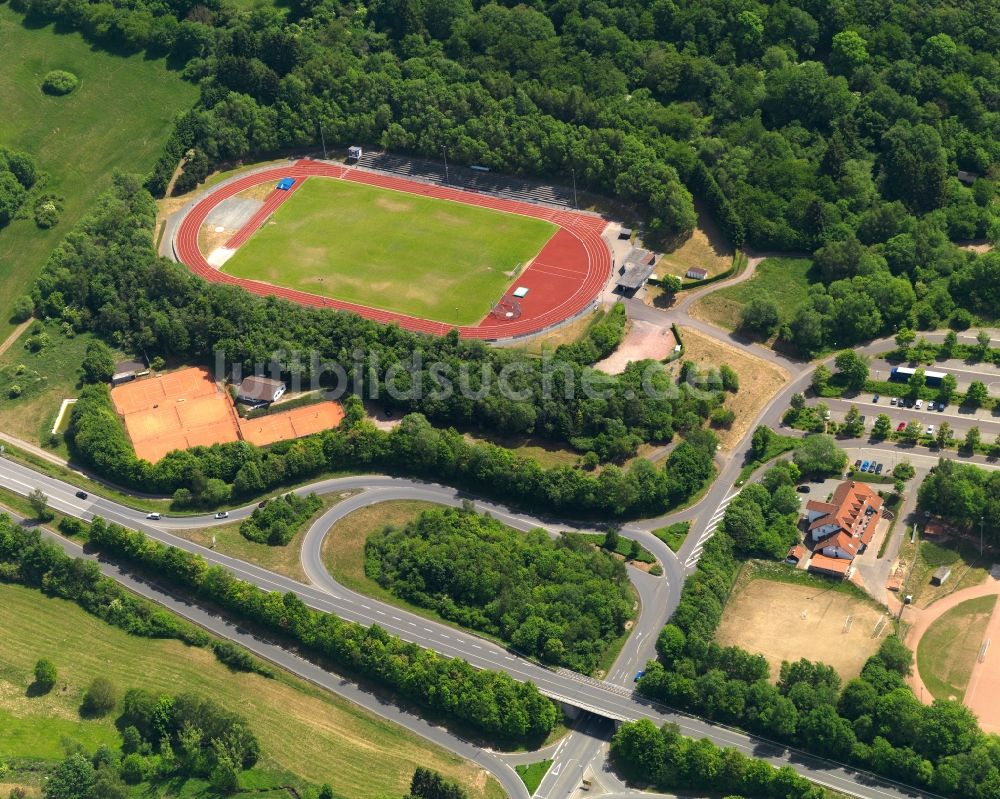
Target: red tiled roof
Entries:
(843, 541)
(835, 565)
(848, 509)
(798, 552)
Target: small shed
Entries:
(354, 153)
(128, 370)
(968, 178)
(633, 277)
(255, 391)
(285, 184)
(941, 575)
(696, 273)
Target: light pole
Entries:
(322, 138)
(575, 203)
(981, 520)
(444, 150)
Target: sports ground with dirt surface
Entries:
(560, 280)
(783, 621)
(418, 256)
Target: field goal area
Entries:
(177, 410)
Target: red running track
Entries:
(564, 278)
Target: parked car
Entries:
(222, 514)
(918, 404)
(875, 398)
(900, 427)
(893, 401)
(81, 494)
(863, 420)
(638, 676)
(803, 489)
(941, 407)
(154, 516)
(857, 463)
(878, 468)
(930, 429)
(865, 465)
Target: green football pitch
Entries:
(429, 258)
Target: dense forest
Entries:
(964, 495)
(559, 600)
(834, 128)
(874, 720)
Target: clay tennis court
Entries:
(176, 410)
(295, 423)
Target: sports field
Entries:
(419, 256)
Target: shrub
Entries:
(23, 309)
(45, 675)
(47, 209)
(134, 768)
(59, 82)
(101, 697)
(278, 521)
(70, 526)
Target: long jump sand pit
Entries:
(176, 410)
(295, 423)
(786, 622)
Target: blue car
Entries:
(638, 676)
(865, 465)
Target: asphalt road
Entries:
(380, 705)
(603, 698)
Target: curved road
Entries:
(603, 698)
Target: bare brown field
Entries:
(782, 621)
(759, 380)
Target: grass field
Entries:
(303, 731)
(785, 621)
(927, 556)
(947, 651)
(414, 255)
(673, 535)
(705, 248)
(532, 774)
(118, 118)
(45, 378)
(282, 559)
(759, 379)
(786, 281)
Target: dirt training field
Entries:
(782, 621)
(295, 423)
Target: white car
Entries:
(930, 429)
(154, 516)
(917, 404)
(222, 515)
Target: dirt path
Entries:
(983, 692)
(15, 334)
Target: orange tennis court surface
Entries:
(177, 410)
(295, 423)
(184, 409)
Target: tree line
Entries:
(601, 339)
(209, 476)
(25, 558)
(873, 721)
(966, 496)
(18, 174)
(491, 703)
(663, 758)
(105, 277)
(559, 600)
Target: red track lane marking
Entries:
(563, 279)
